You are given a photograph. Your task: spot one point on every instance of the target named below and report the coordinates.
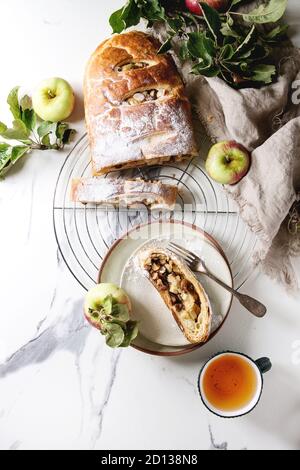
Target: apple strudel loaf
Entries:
(137, 112)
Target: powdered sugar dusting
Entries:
(158, 129)
(113, 190)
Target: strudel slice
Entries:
(153, 194)
(181, 291)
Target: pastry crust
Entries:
(100, 190)
(125, 132)
(181, 291)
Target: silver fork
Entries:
(196, 264)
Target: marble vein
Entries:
(57, 336)
(114, 364)
(15, 446)
(214, 445)
(189, 383)
(42, 322)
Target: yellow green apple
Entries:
(98, 295)
(228, 162)
(53, 100)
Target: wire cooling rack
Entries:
(85, 233)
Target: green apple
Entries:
(108, 308)
(96, 297)
(53, 100)
(228, 162)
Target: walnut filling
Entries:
(167, 278)
(144, 96)
(130, 66)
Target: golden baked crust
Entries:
(124, 133)
(181, 291)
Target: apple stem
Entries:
(35, 146)
(51, 94)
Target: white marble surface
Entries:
(61, 388)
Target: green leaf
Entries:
(183, 52)
(62, 127)
(60, 131)
(130, 334)
(208, 71)
(28, 115)
(26, 102)
(18, 132)
(46, 128)
(114, 335)
(152, 10)
(9, 156)
(131, 14)
(244, 67)
(120, 312)
(267, 13)
(194, 46)
(3, 127)
(260, 52)
(246, 40)
(166, 46)
(276, 33)
(212, 19)
(238, 3)
(279, 30)
(68, 136)
(116, 21)
(13, 102)
(263, 73)
(227, 52)
(227, 30)
(18, 152)
(175, 23)
(5, 155)
(199, 46)
(107, 304)
(29, 118)
(46, 140)
(245, 54)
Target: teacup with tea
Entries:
(231, 384)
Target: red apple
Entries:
(194, 5)
(228, 162)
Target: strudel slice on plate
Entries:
(137, 112)
(181, 291)
(100, 190)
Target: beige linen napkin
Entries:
(267, 122)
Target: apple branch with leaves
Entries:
(232, 45)
(29, 131)
(114, 323)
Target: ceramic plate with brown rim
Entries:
(159, 332)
